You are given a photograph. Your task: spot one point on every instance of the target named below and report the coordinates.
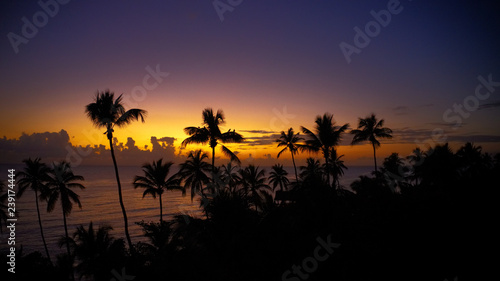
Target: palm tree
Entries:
(290, 142)
(312, 171)
(416, 160)
(34, 176)
(155, 181)
(278, 177)
(253, 181)
(369, 129)
(193, 171)
(59, 184)
(326, 137)
(97, 251)
(337, 166)
(229, 175)
(105, 112)
(210, 133)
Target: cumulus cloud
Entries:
(51, 146)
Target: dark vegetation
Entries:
(406, 221)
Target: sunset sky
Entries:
(269, 65)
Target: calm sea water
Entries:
(100, 205)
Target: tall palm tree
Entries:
(34, 176)
(60, 182)
(325, 138)
(278, 177)
(106, 112)
(369, 129)
(210, 133)
(155, 181)
(194, 171)
(290, 142)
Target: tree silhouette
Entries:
(312, 172)
(59, 184)
(105, 112)
(34, 176)
(325, 138)
(290, 142)
(210, 133)
(337, 166)
(193, 171)
(230, 175)
(97, 251)
(253, 181)
(416, 160)
(369, 129)
(155, 181)
(278, 177)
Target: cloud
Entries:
(489, 105)
(51, 146)
(400, 110)
(258, 131)
(263, 140)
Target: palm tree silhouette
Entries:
(155, 181)
(193, 171)
(278, 177)
(290, 142)
(312, 171)
(34, 176)
(337, 166)
(230, 176)
(61, 180)
(253, 181)
(212, 135)
(369, 129)
(97, 251)
(105, 112)
(326, 137)
(416, 160)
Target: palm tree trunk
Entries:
(41, 229)
(120, 195)
(295, 168)
(374, 157)
(213, 163)
(70, 260)
(161, 210)
(327, 171)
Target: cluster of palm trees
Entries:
(107, 112)
(246, 191)
(51, 184)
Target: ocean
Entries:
(100, 205)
